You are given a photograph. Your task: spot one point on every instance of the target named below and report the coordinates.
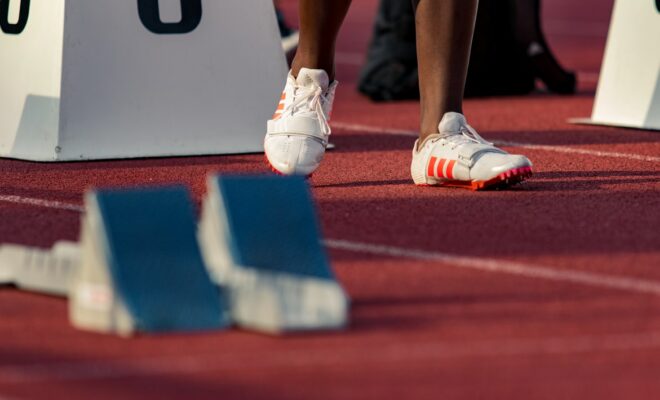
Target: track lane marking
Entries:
(394, 353)
(641, 286)
(531, 146)
(31, 201)
(635, 285)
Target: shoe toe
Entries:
(294, 155)
(490, 165)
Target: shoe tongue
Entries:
(452, 123)
(308, 77)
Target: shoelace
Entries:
(468, 134)
(313, 99)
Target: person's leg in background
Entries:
(450, 152)
(298, 133)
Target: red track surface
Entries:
(579, 319)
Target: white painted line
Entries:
(642, 286)
(556, 149)
(41, 203)
(482, 264)
(394, 353)
(574, 150)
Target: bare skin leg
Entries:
(444, 39)
(320, 21)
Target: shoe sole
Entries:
(502, 181)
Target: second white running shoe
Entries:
(459, 157)
(298, 134)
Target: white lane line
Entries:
(482, 264)
(390, 354)
(642, 286)
(574, 150)
(556, 149)
(41, 203)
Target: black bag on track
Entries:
(509, 53)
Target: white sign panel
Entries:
(629, 87)
(91, 79)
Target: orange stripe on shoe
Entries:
(280, 107)
(450, 169)
(441, 166)
(283, 96)
(431, 168)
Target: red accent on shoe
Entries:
(450, 169)
(431, 167)
(439, 172)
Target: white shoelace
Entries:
(313, 99)
(467, 134)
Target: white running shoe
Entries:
(459, 157)
(298, 134)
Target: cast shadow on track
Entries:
(137, 163)
(553, 222)
(24, 373)
(573, 135)
(563, 181)
(360, 143)
(375, 183)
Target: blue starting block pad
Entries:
(141, 269)
(261, 239)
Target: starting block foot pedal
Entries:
(141, 269)
(39, 270)
(261, 239)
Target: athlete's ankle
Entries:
(312, 63)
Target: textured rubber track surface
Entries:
(547, 290)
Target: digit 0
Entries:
(19, 26)
(191, 16)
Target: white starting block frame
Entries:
(629, 86)
(84, 80)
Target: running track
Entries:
(547, 291)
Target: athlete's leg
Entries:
(450, 152)
(320, 21)
(298, 133)
(444, 39)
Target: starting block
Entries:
(84, 80)
(141, 269)
(628, 92)
(142, 265)
(39, 270)
(260, 238)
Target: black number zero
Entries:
(191, 16)
(19, 26)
